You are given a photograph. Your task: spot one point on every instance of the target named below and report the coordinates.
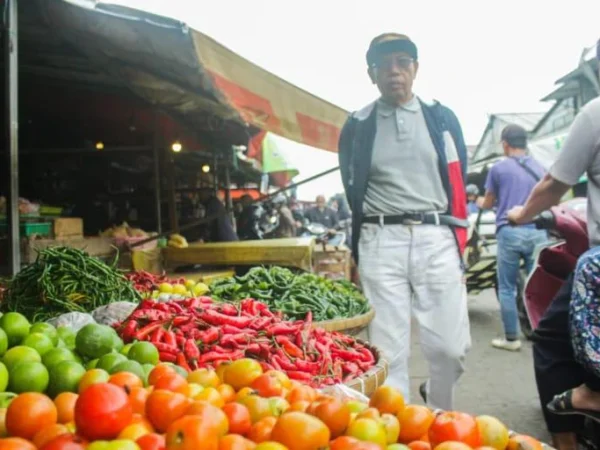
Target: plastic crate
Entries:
(51, 210)
(30, 228)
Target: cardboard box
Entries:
(68, 227)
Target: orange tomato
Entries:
(282, 376)
(242, 372)
(173, 382)
(227, 392)
(454, 426)
(66, 442)
(493, 432)
(152, 441)
(138, 397)
(65, 406)
(523, 442)
(48, 433)
(415, 421)
(270, 446)
(191, 433)
(369, 430)
(92, 376)
(301, 431)
(158, 371)
(419, 445)
(140, 419)
(220, 370)
(134, 431)
(204, 377)
(164, 407)
(3, 422)
(259, 407)
(15, 443)
(213, 418)
(126, 380)
(268, 385)
(212, 396)
(369, 413)
(392, 427)
(238, 417)
(387, 399)
(235, 442)
(301, 392)
(244, 392)
(278, 405)
(452, 445)
(261, 430)
(28, 413)
(301, 406)
(343, 443)
(333, 412)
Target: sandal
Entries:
(562, 405)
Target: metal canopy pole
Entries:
(157, 184)
(11, 56)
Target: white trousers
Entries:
(415, 270)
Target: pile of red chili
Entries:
(197, 332)
(147, 282)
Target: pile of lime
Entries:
(41, 358)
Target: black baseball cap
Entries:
(515, 136)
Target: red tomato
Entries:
(66, 442)
(152, 441)
(454, 426)
(102, 411)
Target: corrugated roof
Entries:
(526, 120)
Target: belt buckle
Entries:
(413, 220)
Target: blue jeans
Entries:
(514, 244)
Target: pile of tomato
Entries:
(237, 407)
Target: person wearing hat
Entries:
(403, 164)
(557, 369)
(508, 184)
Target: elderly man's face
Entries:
(394, 75)
(321, 201)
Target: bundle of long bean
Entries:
(64, 279)
(293, 294)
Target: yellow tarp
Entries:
(295, 252)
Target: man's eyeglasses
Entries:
(402, 62)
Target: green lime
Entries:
(65, 377)
(67, 335)
(144, 353)
(3, 377)
(16, 327)
(57, 355)
(92, 364)
(38, 341)
(125, 349)
(117, 342)
(28, 376)
(95, 340)
(6, 398)
(47, 329)
(107, 362)
(20, 354)
(3, 342)
(129, 366)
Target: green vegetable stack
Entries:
(64, 280)
(294, 294)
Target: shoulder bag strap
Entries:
(528, 169)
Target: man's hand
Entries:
(479, 202)
(515, 215)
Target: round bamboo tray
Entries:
(351, 326)
(369, 381)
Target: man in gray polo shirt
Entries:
(403, 163)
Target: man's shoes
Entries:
(423, 391)
(505, 344)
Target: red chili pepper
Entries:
(348, 355)
(191, 350)
(179, 321)
(283, 362)
(350, 368)
(281, 328)
(297, 375)
(208, 336)
(216, 318)
(264, 310)
(169, 338)
(228, 309)
(180, 340)
(191, 303)
(151, 315)
(308, 366)
(162, 347)
(167, 357)
(182, 362)
(175, 307)
(260, 323)
(146, 304)
(253, 348)
(157, 335)
(142, 333)
(129, 329)
(215, 356)
(322, 348)
(289, 346)
(229, 329)
(266, 366)
(366, 355)
(162, 307)
(249, 305)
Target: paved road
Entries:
(496, 382)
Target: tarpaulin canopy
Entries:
(191, 76)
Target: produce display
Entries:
(197, 333)
(164, 288)
(64, 279)
(238, 406)
(124, 231)
(294, 294)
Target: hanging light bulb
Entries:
(176, 146)
(205, 168)
(99, 145)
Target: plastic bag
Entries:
(343, 392)
(113, 313)
(73, 320)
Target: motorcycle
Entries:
(322, 234)
(553, 264)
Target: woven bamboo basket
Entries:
(351, 326)
(368, 382)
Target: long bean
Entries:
(64, 279)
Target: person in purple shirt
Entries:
(509, 183)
